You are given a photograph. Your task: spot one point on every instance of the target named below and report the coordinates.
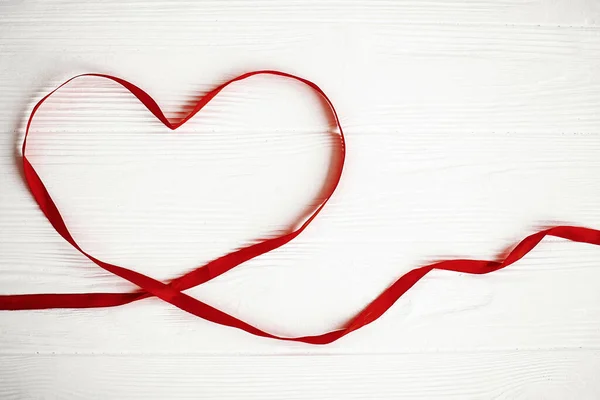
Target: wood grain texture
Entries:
(469, 125)
(489, 375)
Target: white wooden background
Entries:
(469, 125)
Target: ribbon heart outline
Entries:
(172, 292)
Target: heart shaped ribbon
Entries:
(172, 292)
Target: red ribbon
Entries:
(172, 292)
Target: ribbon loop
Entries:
(172, 292)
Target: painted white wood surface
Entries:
(469, 125)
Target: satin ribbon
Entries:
(172, 292)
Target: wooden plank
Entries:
(181, 17)
(499, 375)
